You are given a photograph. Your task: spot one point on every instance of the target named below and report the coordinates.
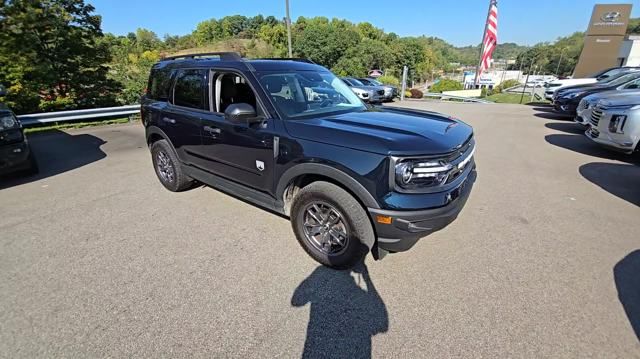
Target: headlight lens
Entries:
(7, 122)
(412, 174)
(574, 95)
(616, 125)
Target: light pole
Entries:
(289, 29)
(559, 61)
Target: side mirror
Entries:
(240, 112)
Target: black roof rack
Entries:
(224, 56)
(288, 58)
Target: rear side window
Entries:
(159, 84)
(189, 89)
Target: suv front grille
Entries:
(596, 115)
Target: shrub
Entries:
(505, 85)
(389, 80)
(446, 85)
(407, 94)
(415, 93)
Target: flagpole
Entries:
(484, 37)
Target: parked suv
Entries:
(15, 153)
(290, 136)
(615, 123)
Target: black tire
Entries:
(353, 220)
(169, 171)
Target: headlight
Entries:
(7, 122)
(575, 94)
(411, 174)
(616, 125)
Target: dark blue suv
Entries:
(289, 136)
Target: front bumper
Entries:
(565, 107)
(625, 142)
(583, 116)
(14, 157)
(407, 227)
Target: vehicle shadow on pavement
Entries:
(553, 116)
(346, 312)
(621, 180)
(57, 152)
(627, 277)
(581, 144)
(572, 128)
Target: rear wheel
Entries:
(167, 167)
(331, 225)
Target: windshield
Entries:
(622, 79)
(355, 82)
(375, 82)
(305, 93)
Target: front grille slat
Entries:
(596, 115)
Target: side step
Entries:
(234, 189)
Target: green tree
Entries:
(325, 43)
(51, 55)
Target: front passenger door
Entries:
(240, 151)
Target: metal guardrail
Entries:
(90, 114)
(440, 96)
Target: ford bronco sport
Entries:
(289, 136)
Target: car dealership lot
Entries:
(98, 259)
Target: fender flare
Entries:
(327, 171)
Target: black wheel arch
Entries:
(322, 170)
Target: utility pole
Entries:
(559, 61)
(404, 82)
(289, 29)
(525, 81)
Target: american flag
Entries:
(490, 37)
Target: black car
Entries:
(15, 153)
(566, 100)
(290, 136)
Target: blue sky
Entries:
(459, 22)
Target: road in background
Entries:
(98, 259)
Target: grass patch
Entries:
(72, 125)
(504, 97)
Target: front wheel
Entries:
(331, 226)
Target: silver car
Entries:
(375, 94)
(583, 111)
(615, 123)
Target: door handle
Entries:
(212, 130)
(169, 120)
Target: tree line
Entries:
(54, 55)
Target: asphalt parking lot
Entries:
(97, 259)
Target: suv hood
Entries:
(387, 131)
(615, 101)
(615, 93)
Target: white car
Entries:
(552, 87)
(615, 123)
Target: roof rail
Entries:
(288, 58)
(224, 56)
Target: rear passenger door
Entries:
(188, 105)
